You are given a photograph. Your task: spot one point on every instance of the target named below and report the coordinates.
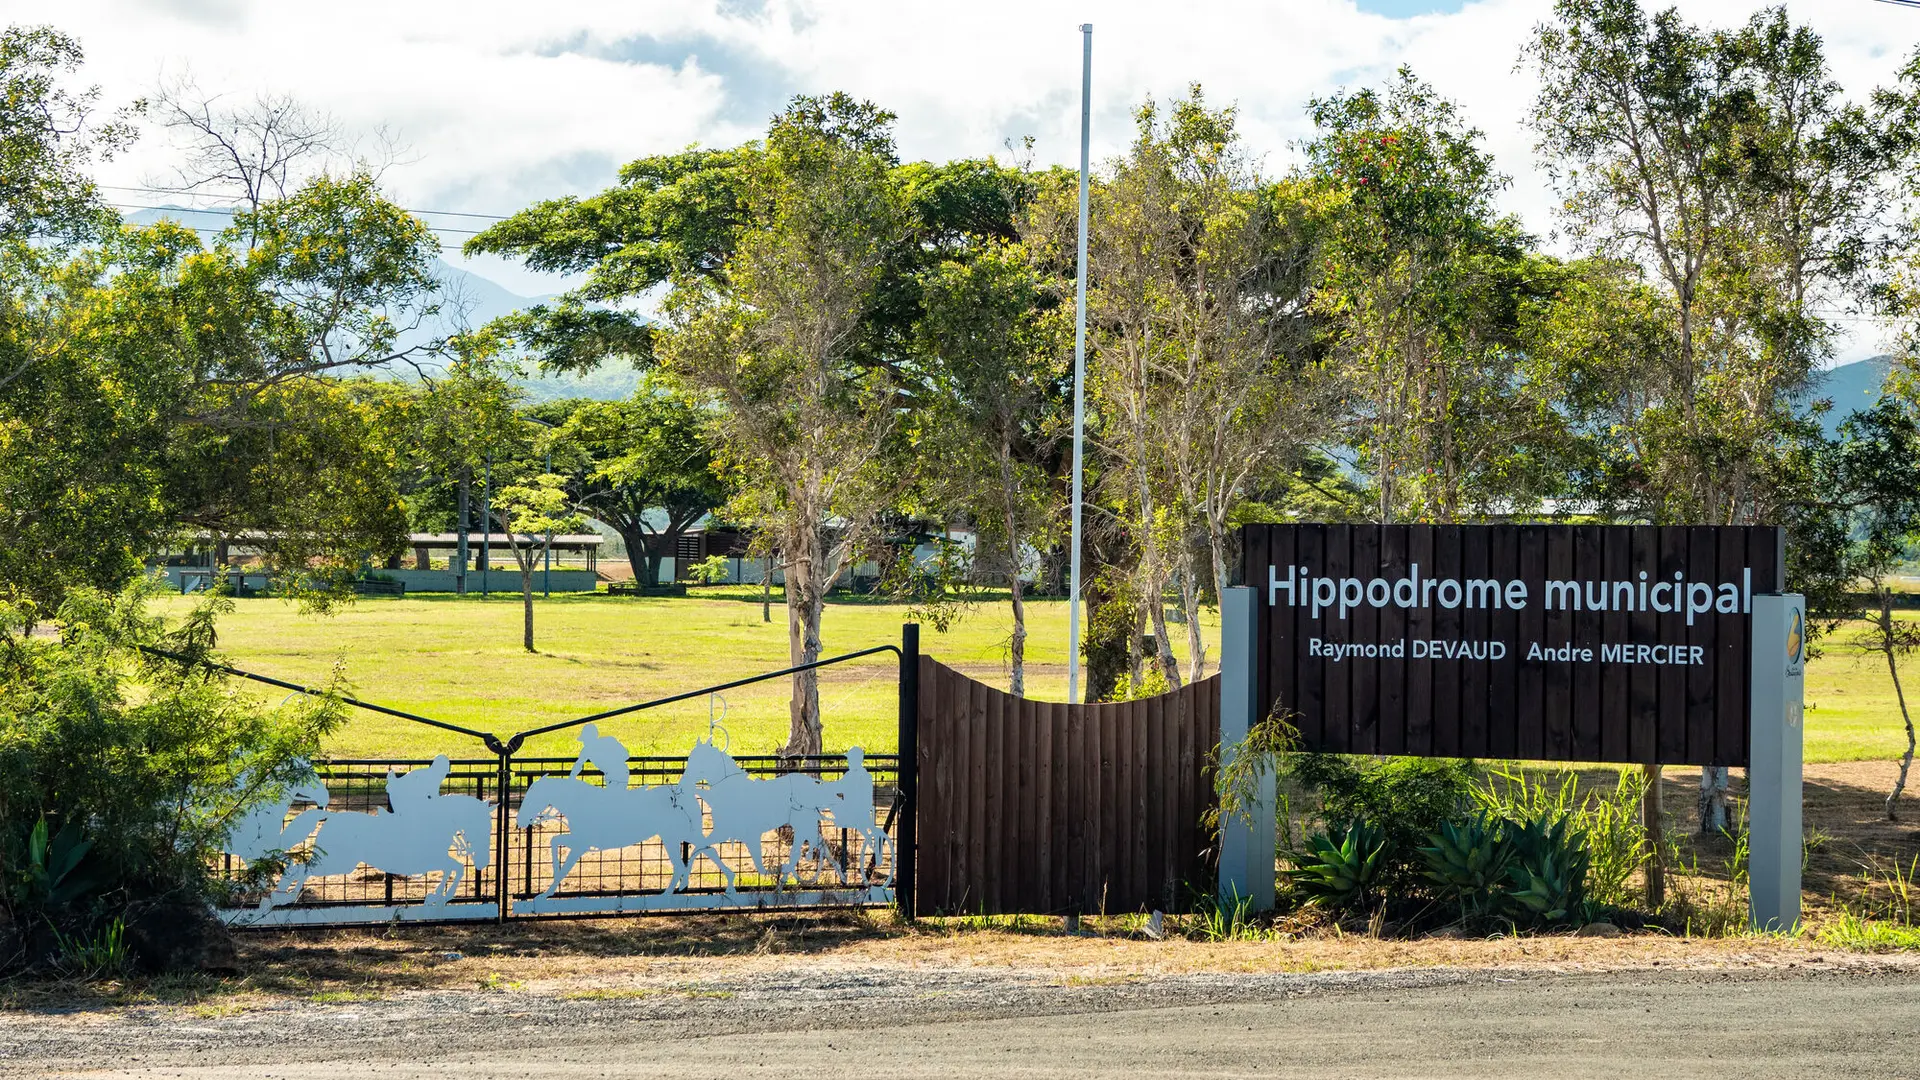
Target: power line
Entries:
(194, 194)
(227, 210)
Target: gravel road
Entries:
(913, 1022)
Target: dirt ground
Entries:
(830, 1017)
(819, 993)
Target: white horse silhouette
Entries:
(437, 834)
(745, 810)
(264, 830)
(605, 819)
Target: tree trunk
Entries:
(526, 595)
(1653, 820)
(638, 557)
(1713, 799)
(803, 643)
(1899, 692)
(1017, 646)
(1190, 608)
(465, 514)
(766, 589)
(1162, 645)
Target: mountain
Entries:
(1851, 387)
(466, 300)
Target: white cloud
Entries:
(506, 102)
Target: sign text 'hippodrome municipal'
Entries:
(1302, 588)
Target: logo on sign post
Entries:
(1796, 641)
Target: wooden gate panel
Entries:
(1032, 807)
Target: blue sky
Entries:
(501, 102)
(1400, 9)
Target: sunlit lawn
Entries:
(461, 661)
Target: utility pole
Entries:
(486, 537)
(1079, 364)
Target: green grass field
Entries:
(461, 661)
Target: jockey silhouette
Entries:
(603, 752)
(854, 789)
(413, 790)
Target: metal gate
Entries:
(372, 841)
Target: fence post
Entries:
(502, 861)
(1246, 838)
(903, 854)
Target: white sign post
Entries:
(1773, 777)
(1246, 838)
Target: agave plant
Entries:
(1340, 871)
(1468, 861)
(1547, 881)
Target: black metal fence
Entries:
(510, 872)
(853, 864)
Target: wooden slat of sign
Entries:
(1730, 636)
(1392, 680)
(1447, 626)
(1365, 620)
(1616, 692)
(1530, 677)
(1190, 736)
(1643, 682)
(1701, 552)
(1556, 697)
(1769, 576)
(1588, 739)
(1502, 673)
(1475, 627)
(1672, 678)
(1419, 721)
(1309, 679)
(1338, 631)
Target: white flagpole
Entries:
(1079, 364)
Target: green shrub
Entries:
(1341, 872)
(1547, 878)
(120, 772)
(1608, 819)
(1467, 862)
(1406, 799)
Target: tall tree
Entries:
(530, 509)
(995, 334)
(645, 466)
(1420, 281)
(805, 427)
(1200, 345)
(1732, 169)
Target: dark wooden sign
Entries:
(1539, 642)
